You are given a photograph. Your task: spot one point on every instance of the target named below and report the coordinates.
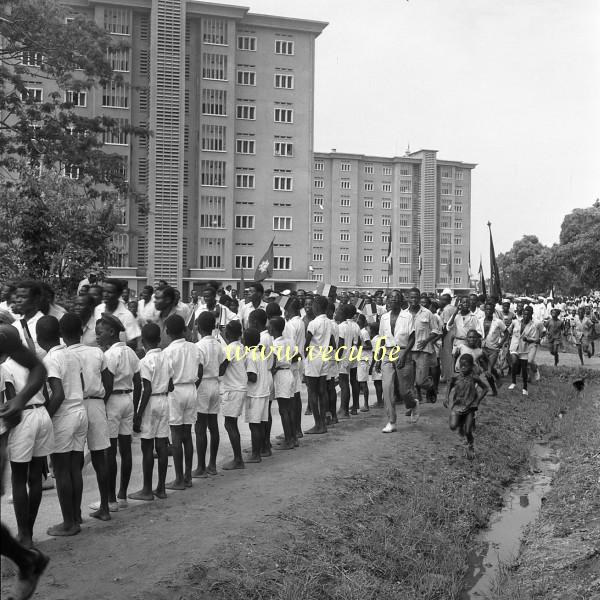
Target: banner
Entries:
(495, 286)
(265, 265)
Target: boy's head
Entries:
(465, 364)
(233, 331)
(276, 326)
(175, 326)
(150, 335)
(361, 320)
(319, 305)
(206, 323)
(273, 310)
(108, 328)
(330, 309)
(348, 311)
(473, 338)
(554, 313)
(292, 308)
(251, 337)
(374, 329)
(257, 319)
(71, 327)
(48, 332)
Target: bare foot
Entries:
(285, 446)
(364, 409)
(25, 541)
(254, 459)
(233, 464)
(266, 453)
(199, 474)
(160, 494)
(61, 530)
(141, 495)
(175, 485)
(211, 470)
(28, 578)
(299, 433)
(102, 515)
(316, 430)
(187, 481)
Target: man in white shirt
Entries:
(165, 302)
(256, 301)
(113, 305)
(29, 299)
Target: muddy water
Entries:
(501, 541)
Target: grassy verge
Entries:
(389, 533)
(560, 556)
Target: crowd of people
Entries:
(165, 369)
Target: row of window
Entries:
(405, 187)
(246, 261)
(249, 43)
(447, 174)
(447, 191)
(369, 169)
(448, 225)
(214, 139)
(405, 277)
(214, 67)
(447, 207)
(404, 221)
(386, 203)
(213, 173)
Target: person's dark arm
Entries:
(137, 385)
(108, 381)
(9, 391)
(223, 367)
(252, 377)
(307, 342)
(141, 405)
(57, 395)
(404, 353)
(200, 374)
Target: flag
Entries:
(420, 265)
(265, 265)
(482, 288)
(495, 286)
(390, 260)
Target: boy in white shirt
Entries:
(375, 369)
(151, 418)
(184, 357)
(296, 331)
(70, 424)
(333, 370)
(92, 362)
(211, 355)
(121, 379)
(234, 385)
(362, 375)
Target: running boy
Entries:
(554, 330)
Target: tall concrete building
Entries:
(228, 96)
(422, 202)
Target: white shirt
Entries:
(17, 375)
(385, 329)
(294, 330)
(497, 329)
(89, 333)
(64, 365)
(123, 363)
(245, 309)
(156, 368)
(287, 350)
(211, 355)
(236, 375)
(31, 324)
(423, 323)
(264, 379)
(92, 362)
(132, 329)
(184, 358)
(321, 331)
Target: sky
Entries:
(512, 85)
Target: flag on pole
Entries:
(390, 259)
(265, 265)
(495, 286)
(420, 265)
(482, 288)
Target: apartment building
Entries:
(422, 202)
(228, 96)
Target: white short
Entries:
(283, 383)
(32, 437)
(376, 375)
(232, 403)
(297, 374)
(182, 404)
(333, 369)
(315, 367)
(208, 397)
(362, 371)
(70, 430)
(155, 420)
(97, 434)
(256, 409)
(119, 410)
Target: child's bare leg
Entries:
(256, 435)
(231, 426)
(266, 447)
(213, 427)
(77, 481)
(344, 379)
(332, 400)
(162, 449)
(101, 467)
(355, 388)
(298, 414)
(64, 489)
(379, 391)
(364, 388)
(454, 420)
(188, 453)
(126, 464)
(287, 443)
(177, 435)
(201, 445)
(468, 427)
(147, 469)
(111, 459)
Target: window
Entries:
(317, 257)
(318, 218)
(318, 201)
(458, 191)
(458, 279)
(246, 111)
(283, 115)
(368, 238)
(33, 95)
(368, 220)
(119, 59)
(319, 166)
(404, 171)
(117, 21)
(214, 138)
(244, 261)
(368, 186)
(117, 136)
(446, 238)
(404, 238)
(458, 224)
(386, 221)
(318, 236)
(317, 277)
(458, 240)
(284, 47)
(119, 256)
(344, 278)
(444, 260)
(369, 170)
(405, 187)
(344, 257)
(244, 180)
(345, 219)
(385, 279)
(445, 223)
(404, 221)
(368, 202)
(115, 95)
(404, 277)
(385, 238)
(458, 208)
(245, 77)
(282, 263)
(344, 236)
(346, 167)
(386, 187)
(212, 252)
(285, 82)
(368, 258)
(404, 203)
(212, 173)
(368, 278)
(404, 257)
(384, 258)
(460, 174)
(76, 98)
(72, 172)
(446, 205)
(386, 204)
(32, 59)
(345, 184)
(319, 183)
(446, 190)
(386, 171)
(214, 31)
(214, 102)
(446, 173)
(458, 260)
(214, 66)
(246, 42)
(283, 149)
(345, 202)
(244, 221)
(283, 183)
(245, 146)
(282, 223)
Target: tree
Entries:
(579, 249)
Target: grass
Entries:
(390, 533)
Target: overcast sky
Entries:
(512, 85)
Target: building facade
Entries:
(228, 97)
(423, 203)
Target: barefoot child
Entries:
(554, 330)
(234, 385)
(463, 400)
(364, 365)
(211, 355)
(294, 330)
(184, 357)
(375, 369)
(151, 418)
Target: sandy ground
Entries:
(144, 551)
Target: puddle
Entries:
(502, 540)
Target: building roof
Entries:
(411, 158)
